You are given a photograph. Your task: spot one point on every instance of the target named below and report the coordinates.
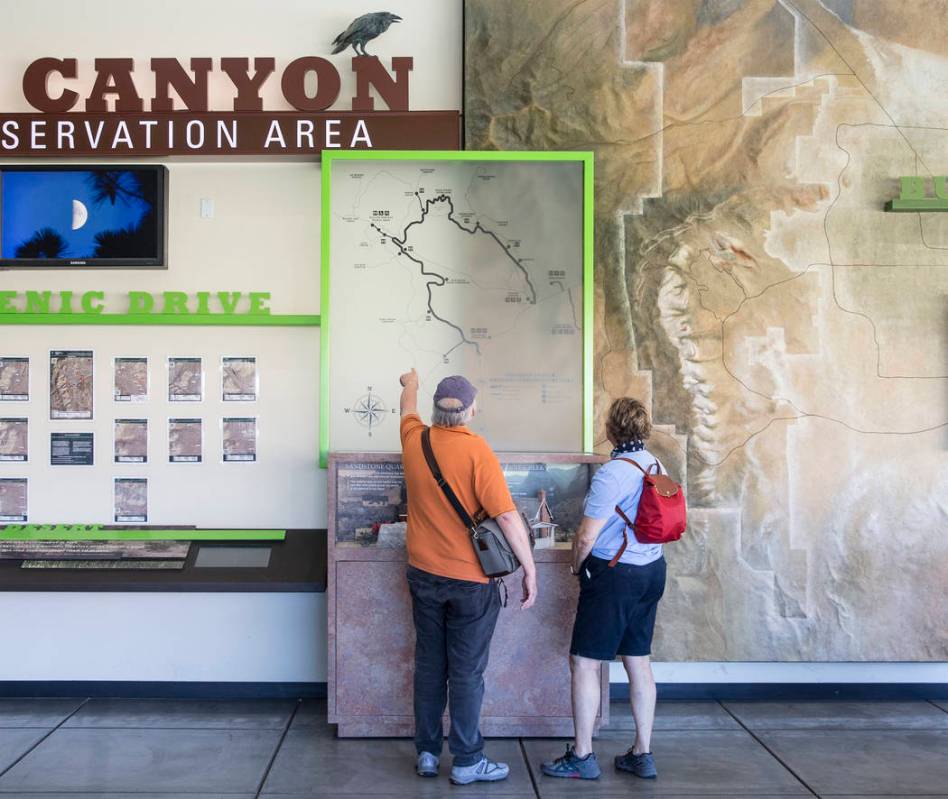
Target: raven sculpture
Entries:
(362, 30)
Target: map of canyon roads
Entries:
(786, 333)
(454, 267)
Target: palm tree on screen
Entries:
(127, 187)
(128, 242)
(44, 243)
(117, 184)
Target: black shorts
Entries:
(616, 613)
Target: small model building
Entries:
(392, 535)
(542, 523)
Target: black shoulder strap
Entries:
(463, 515)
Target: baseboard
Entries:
(773, 692)
(792, 692)
(165, 690)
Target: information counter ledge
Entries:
(294, 563)
(371, 634)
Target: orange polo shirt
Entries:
(437, 541)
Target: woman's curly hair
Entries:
(628, 421)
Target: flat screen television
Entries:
(83, 216)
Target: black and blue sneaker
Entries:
(642, 765)
(572, 767)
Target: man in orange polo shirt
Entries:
(454, 605)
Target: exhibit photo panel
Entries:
(224, 441)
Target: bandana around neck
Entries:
(629, 446)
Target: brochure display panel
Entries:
(194, 415)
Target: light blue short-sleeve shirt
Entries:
(620, 483)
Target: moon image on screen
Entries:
(80, 215)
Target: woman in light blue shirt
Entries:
(621, 582)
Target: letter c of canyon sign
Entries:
(132, 130)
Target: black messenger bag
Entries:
(493, 551)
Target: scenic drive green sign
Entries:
(144, 308)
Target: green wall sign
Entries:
(144, 308)
(914, 195)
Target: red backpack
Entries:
(661, 516)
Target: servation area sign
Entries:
(472, 264)
(114, 117)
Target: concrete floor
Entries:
(56, 748)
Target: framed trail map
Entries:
(473, 263)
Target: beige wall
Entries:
(264, 236)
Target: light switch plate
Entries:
(207, 209)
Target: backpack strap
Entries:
(463, 515)
(657, 466)
(628, 524)
(625, 537)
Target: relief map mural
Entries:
(788, 335)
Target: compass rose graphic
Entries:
(369, 410)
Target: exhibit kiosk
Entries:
(474, 263)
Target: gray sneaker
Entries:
(642, 765)
(427, 765)
(485, 771)
(572, 767)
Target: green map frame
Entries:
(328, 158)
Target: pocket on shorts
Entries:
(659, 579)
(593, 574)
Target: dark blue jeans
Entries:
(454, 622)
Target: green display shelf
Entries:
(97, 532)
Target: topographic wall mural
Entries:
(788, 335)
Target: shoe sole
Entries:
(640, 776)
(569, 776)
(455, 781)
(427, 774)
